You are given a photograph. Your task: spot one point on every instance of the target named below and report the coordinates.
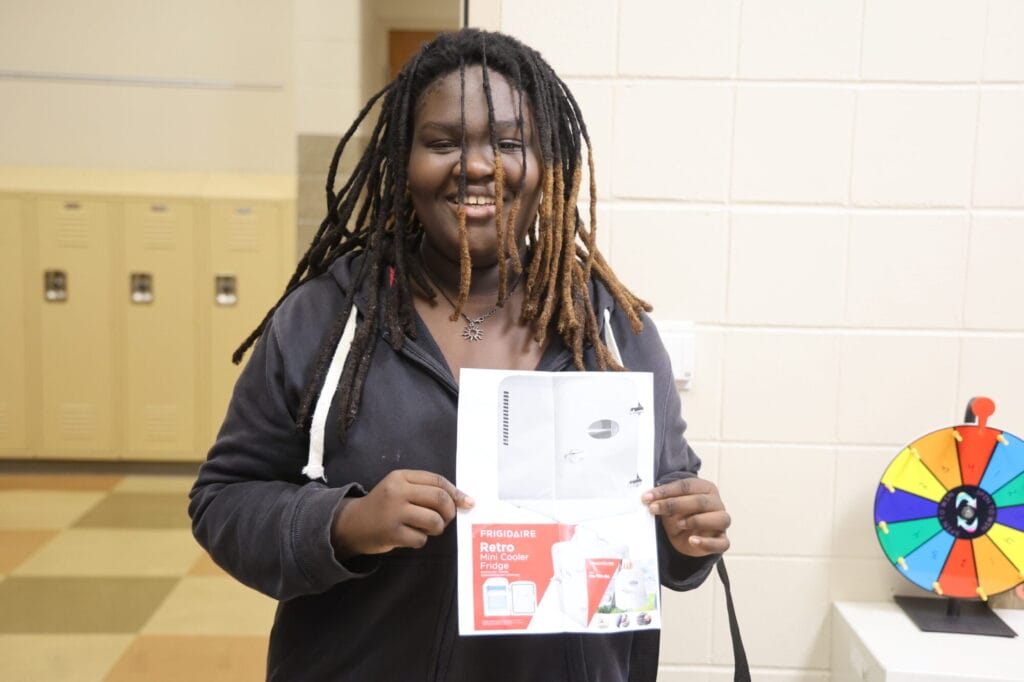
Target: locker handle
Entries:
(141, 287)
(55, 286)
(158, 208)
(225, 290)
(72, 206)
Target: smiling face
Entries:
(434, 165)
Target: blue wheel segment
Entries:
(899, 505)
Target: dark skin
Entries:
(434, 168)
(408, 507)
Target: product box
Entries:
(559, 540)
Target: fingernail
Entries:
(468, 502)
(681, 525)
(647, 497)
(695, 540)
(654, 508)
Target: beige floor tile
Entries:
(17, 545)
(57, 482)
(27, 509)
(138, 510)
(212, 606)
(204, 565)
(68, 604)
(114, 552)
(60, 658)
(140, 483)
(168, 658)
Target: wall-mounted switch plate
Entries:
(680, 342)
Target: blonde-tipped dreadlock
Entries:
(372, 213)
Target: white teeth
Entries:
(479, 201)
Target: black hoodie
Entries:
(393, 617)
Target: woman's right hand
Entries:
(403, 510)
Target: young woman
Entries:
(455, 243)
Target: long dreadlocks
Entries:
(373, 213)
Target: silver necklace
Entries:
(474, 329)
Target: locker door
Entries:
(156, 296)
(245, 256)
(77, 325)
(13, 380)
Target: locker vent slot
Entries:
(160, 423)
(243, 236)
(77, 421)
(158, 235)
(71, 233)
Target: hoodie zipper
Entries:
(428, 362)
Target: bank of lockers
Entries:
(121, 308)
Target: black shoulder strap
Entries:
(643, 658)
(742, 673)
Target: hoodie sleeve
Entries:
(251, 508)
(675, 459)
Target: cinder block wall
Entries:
(834, 192)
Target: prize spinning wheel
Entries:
(949, 511)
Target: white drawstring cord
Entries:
(314, 468)
(609, 337)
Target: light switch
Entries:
(680, 342)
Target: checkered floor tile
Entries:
(101, 581)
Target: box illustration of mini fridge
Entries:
(559, 441)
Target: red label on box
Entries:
(512, 568)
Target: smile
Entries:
(478, 208)
(473, 201)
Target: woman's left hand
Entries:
(693, 515)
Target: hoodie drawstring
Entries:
(314, 468)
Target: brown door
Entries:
(404, 44)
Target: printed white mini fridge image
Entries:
(559, 441)
(497, 600)
(524, 597)
(584, 568)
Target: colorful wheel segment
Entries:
(949, 511)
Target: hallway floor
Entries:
(101, 581)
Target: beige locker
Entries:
(244, 280)
(77, 327)
(116, 336)
(156, 297)
(13, 356)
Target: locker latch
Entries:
(55, 286)
(225, 290)
(142, 287)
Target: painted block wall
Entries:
(341, 60)
(116, 84)
(834, 193)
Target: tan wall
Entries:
(189, 85)
(833, 192)
(341, 54)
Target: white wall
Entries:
(341, 59)
(834, 192)
(188, 85)
(341, 53)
